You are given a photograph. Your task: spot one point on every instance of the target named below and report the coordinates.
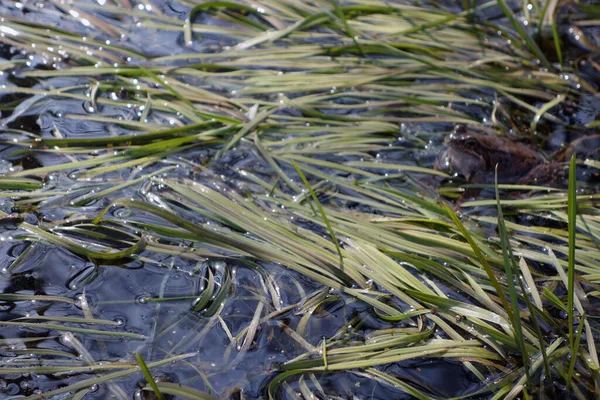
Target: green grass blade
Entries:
(510, 280)
(177, 389)
(481, 258)
(572, 218)
(136, 248)
(148, 376)
(322, 212)
(556, 38)
(106, 378)
(575, 352)
(524, 35)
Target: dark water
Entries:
(126, 293)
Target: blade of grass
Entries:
(524, 35)
(148, 376)
(64, 328)
(510, 280)
(106, 378)
(322, 212)
(572, 221)
(481, 258)
(136, 248)
(574, 351)
(177, 389)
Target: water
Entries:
(126, 292)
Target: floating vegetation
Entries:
(232, 200)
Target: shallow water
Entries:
(127, 292)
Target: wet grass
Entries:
(343, 108)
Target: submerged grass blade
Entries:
(16, 183)
(106, 378)
(65, 328)
(84, 251)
